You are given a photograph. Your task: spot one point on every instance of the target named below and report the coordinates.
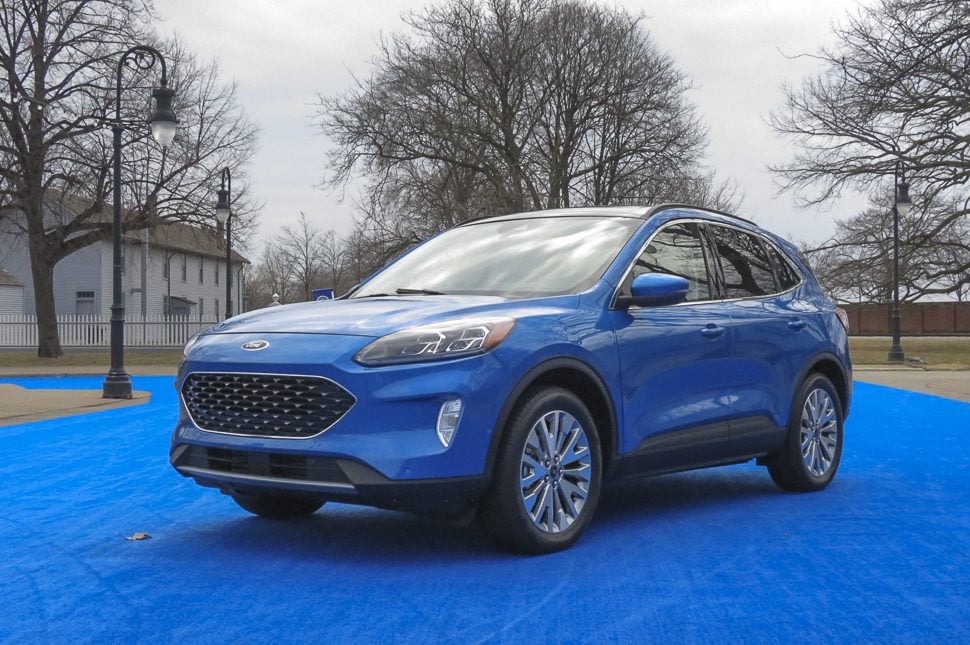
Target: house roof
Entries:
(189, 239)
(176, 236)
(8, 280)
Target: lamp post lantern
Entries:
(900, 209)
(163, 122)
(224, 215)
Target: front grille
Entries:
(263, 464)
(264, 405)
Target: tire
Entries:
(812, 450)
(277, 507)
(543, 495)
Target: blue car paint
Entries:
(672, 378)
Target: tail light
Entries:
(843, 317)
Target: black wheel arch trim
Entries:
(829, 357)
(529, 379)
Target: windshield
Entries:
(514, 258)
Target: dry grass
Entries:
(950, 353)
(88, 358)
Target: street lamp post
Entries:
(163, 122)
(224, 215)
(900, 209)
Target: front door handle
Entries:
(712, 331)
(796, 325)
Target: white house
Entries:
(11, 294)
(175, 269)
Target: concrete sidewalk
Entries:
(21, 405)
(948, 384)
(24, 405)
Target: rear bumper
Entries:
(329, 478)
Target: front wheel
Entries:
(813, 448)
(547, 476)
(277, 507)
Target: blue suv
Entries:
(515, 364)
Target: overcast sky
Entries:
(283, 53)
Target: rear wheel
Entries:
(277, 507)
(810, 456)
(547, 475)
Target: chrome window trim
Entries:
(263, 436)
(629, 269)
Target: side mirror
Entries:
(655, 289)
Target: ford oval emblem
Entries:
(255, 345)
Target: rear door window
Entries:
(745, 263)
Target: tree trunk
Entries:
(42, 270)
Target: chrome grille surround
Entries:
(273, 406)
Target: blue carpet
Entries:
(882, 555)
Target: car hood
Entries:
(358, 317)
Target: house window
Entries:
(185, 268)
(166, 268)
(217, 273)
(84, 303)
(201, 270)
(201, 308)
(217, 308)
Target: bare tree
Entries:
(492, 106)
(300, 258)
(58, 63)
(893, 90)
(272, 275)
(302, 246)
(363, 253)
(856, 264)
(332, 266)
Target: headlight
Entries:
(451, 339)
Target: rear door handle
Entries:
(712, 331)
(796, 325)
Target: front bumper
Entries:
(384, 451)
(333, 479)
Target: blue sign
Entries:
(322, 294)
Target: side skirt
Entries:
(716, 444)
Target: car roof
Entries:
(634, 212)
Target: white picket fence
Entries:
(157, 330)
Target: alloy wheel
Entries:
(819, 432)
(555, 471)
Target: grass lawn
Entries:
(88, 358)
(951, 353)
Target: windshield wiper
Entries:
(419, 292)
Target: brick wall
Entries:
(916, 319)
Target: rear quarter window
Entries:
(788, 277)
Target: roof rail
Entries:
(648, 212)
(662, 207)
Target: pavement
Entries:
(22, 405)
(19, 405)
(946, 383)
